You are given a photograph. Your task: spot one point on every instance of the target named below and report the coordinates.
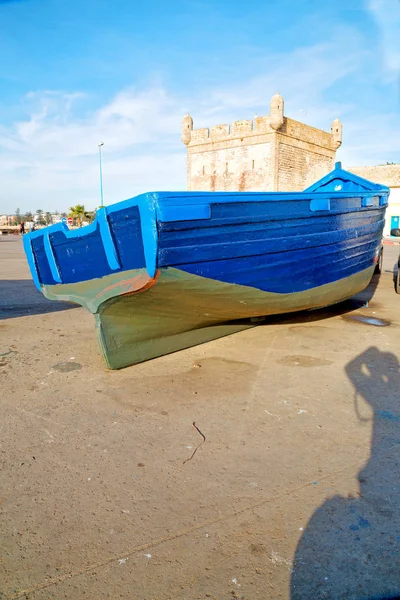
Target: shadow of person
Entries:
(351, 546)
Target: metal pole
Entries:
(101, 176)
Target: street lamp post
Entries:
(101, 176)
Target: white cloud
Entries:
(50, 160)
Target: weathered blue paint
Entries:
(274, 242)
(55, 273)
(112, 243)
(108, 242)
(363, 523)
(40, 258)
(285, 255)
(147, 204)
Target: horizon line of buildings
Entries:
(10, 220)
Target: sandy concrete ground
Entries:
(294, 494)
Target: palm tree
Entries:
(78, 212)
(49, 218)
(40, 219)
(90, 215)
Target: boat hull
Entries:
(177, 310)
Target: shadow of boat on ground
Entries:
(20, 298)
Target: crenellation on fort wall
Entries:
(220, 132)
(242, 127)
(246, 128)
(262, 125)
(200, 135)
(238, 129)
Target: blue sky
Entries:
(75, 73)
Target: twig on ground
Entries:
(195, 450)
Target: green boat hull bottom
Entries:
(175, 310)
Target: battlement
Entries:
(225, 132)
(261, 125)
(275, 122)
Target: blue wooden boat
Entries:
(167, 270)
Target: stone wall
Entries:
(387, 174)
(235, 168)
(302, 163)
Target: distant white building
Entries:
(6, 220)
(388, 175)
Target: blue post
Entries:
(101, 176)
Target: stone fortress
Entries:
(272, 153)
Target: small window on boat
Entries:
(204, 170)
(226, 167)
(252, 165)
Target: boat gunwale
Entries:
(131, 202)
